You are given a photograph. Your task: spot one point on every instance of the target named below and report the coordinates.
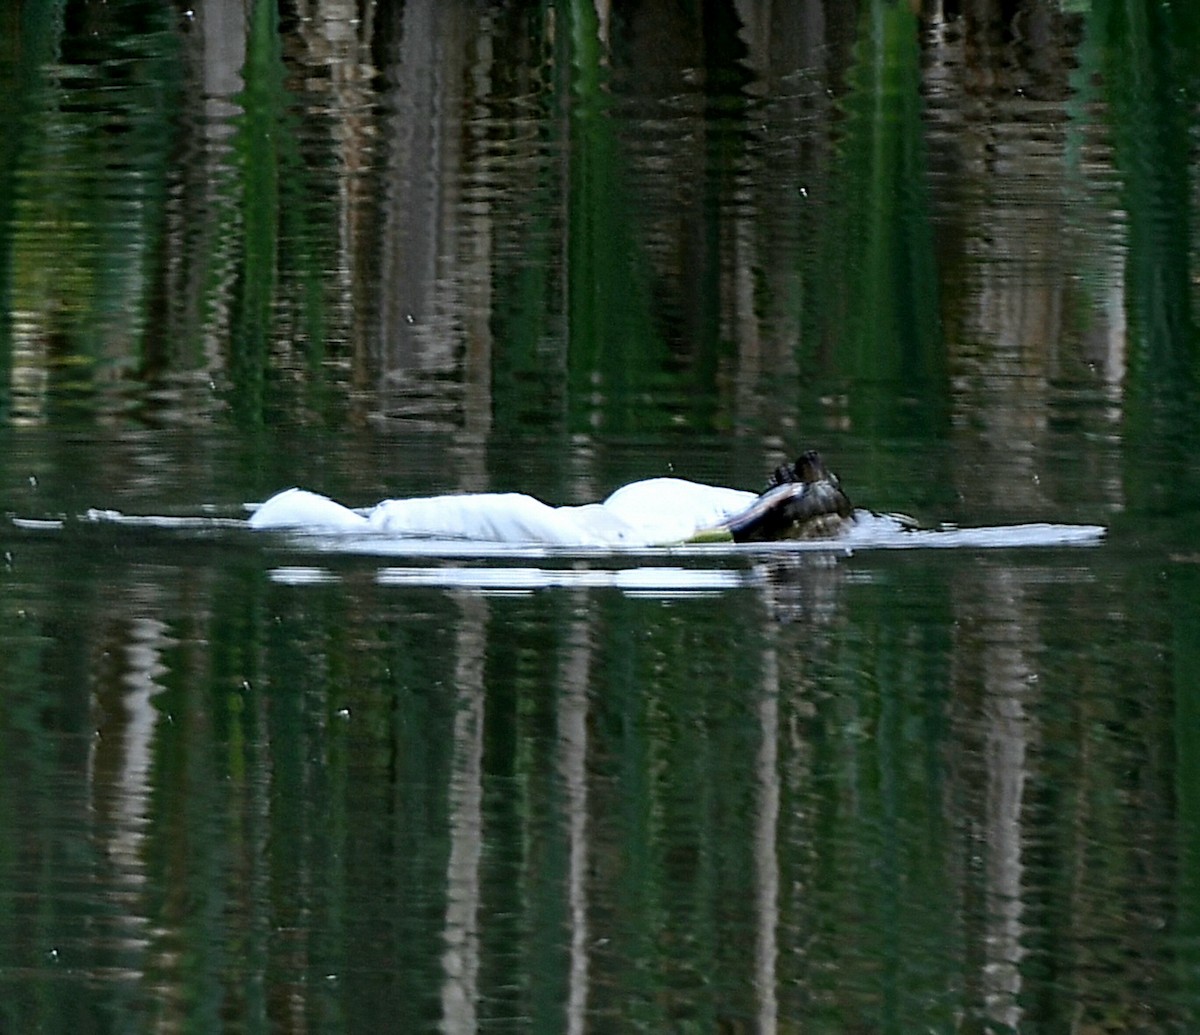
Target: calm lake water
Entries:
(257, 784)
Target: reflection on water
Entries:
(395, 250)
(903, 785)
(470, 222)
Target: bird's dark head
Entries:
(803, 500)
(807, 469)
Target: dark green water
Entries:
(404, 249)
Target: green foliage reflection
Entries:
(614, 355)
(1153, 88)
(878, 280)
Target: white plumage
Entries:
(646, 513)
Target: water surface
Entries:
(252, 783)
